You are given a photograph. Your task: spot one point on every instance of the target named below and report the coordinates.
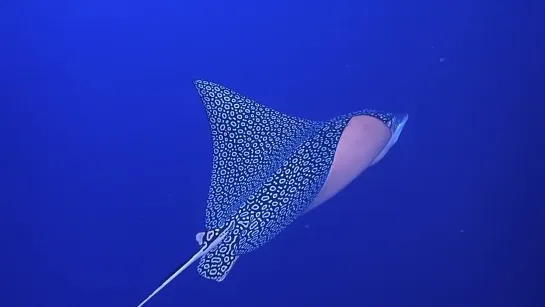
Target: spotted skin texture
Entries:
(267, 168)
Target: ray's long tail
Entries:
(206, 248)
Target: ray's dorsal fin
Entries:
(211, 240)
(199, 237)
(249, 139)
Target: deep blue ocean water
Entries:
(107, 155)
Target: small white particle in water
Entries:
(441, 60)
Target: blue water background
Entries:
(107, 155)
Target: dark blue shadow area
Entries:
(106, 152)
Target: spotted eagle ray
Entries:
(269, 168)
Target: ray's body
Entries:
(270, 168)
